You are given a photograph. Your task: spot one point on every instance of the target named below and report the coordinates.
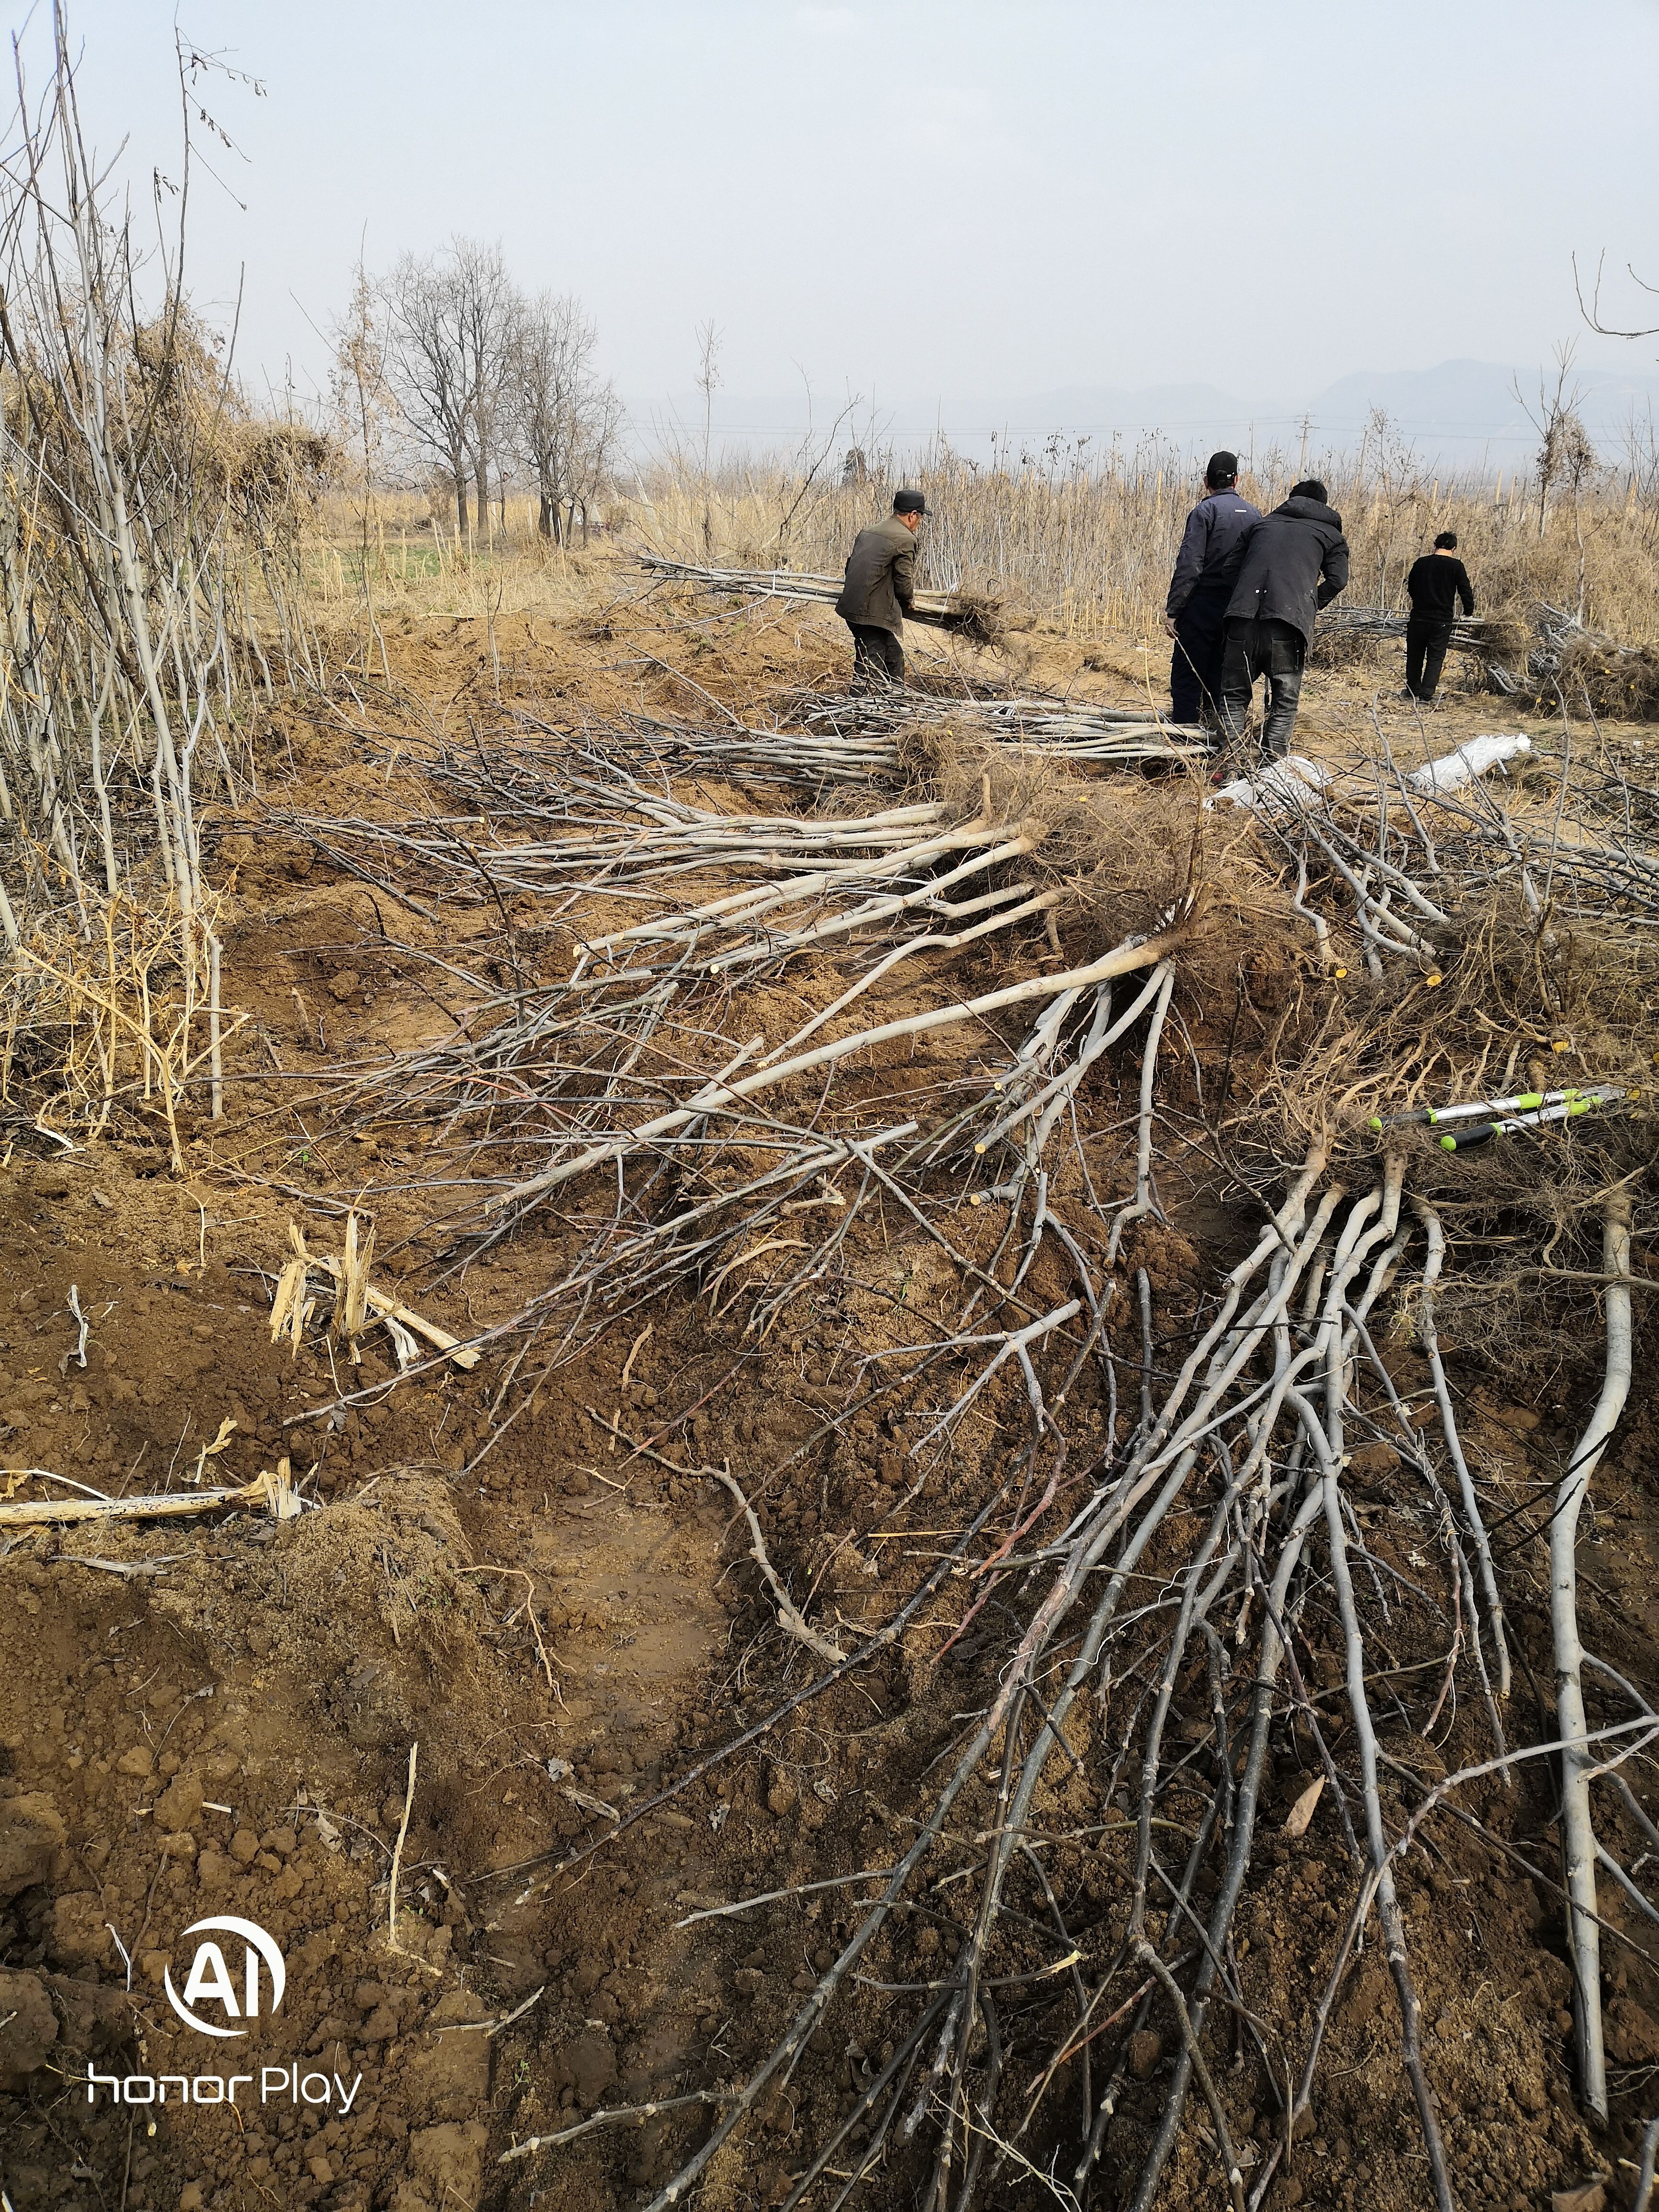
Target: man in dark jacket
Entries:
(1436, 586)
(1205, 569)
(876, 594)
(1294, 561)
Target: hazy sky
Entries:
(928, 201)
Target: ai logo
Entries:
(210, 1976)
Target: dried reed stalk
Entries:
(138, 496)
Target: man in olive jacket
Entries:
(1296, 562)
(876, 594)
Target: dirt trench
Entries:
(215, 1717)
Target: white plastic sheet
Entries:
(1469, 760)
(1293, 781)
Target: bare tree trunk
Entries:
(1578, 1846)
(1578, 536)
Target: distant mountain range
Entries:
(1462, 414)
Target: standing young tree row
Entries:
(487, 380)
(565, 419)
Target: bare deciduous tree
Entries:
(485, 378)
(365, 411)
(451, 321)
(1566, 454)
(427, 366)
(565, 418)
(490, 311)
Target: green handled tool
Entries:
(1526, 1101)
(1565, 1109)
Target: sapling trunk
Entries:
(1577, 1826)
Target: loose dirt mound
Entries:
(217, 1719)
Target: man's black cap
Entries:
(908, 503)
(1221, 468)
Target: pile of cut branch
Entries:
(1070, 730)
(725, 1052)
(1550, 655)
(971, 614)
(1469, 632)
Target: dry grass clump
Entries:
(1512, 1005)
(1618, 682)
(1128, 854)
(103, 1026)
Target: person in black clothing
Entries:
(1436, 585)
(1211, 548)
(1294, 561)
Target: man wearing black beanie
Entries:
(1211, 548)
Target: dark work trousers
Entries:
(878, 657)
(1426, 640)
(1196, 663)
(1252, 649)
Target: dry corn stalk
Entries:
(275, 1491)
(357, 1301)
(353, 1305)
(227, 1429)
(291, 1304)
(385, 1308)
